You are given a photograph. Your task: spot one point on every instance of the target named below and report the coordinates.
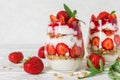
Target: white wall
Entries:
(25, 21)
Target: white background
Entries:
(25, 21)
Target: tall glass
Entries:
(64, 46)
(104, 37)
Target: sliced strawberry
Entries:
(108, 32)
(95, 41)
(50, 49)
(75, 51)
(103, 16)
(53, 18)
(62, 48)
(94, 20)
(62, 20)
(62, 14)
(71, 22)
(107, 44)
(117, 39)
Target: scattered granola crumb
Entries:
(60, 78)
(84, 73)
(78, 77)
(4, 67)
(54, 74)
(10, 68)
(20, 66)
(71, 74)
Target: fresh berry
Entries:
(62, 14)
(72, 22)
(33, 65)
(112, 18)
(41, 53)
(76, 51)
(50, 49)
(53, 18)
(61, 20)
(94, 20)
(16, 57)
(103, 16)
(108, 32)
(62, 48)
(107, 44)
(95, 60)
(95, 41)
(117, 39)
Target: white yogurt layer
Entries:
(64, 29)
(65, 65)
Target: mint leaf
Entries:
(68, 10)
(74, 13)
(112, 12)
(101, 66)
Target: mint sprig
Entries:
(93, 71)
(112, 12)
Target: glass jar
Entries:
(64, 46)
(104, 36)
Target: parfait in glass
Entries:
(64, 47)
(104, 36)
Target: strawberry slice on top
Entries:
(62, 49)
(107, 44)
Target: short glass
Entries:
(64, 47)
(104, 38)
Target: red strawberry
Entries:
(41, 53)
(95, 41)
(112, 18)
(71, 22)
(103, 16)
(50, 49)
(107, 44)
(34, 65)
(75, 51)
(117, 39)
(62, 20)
(94, 20)
(108, 32)
(62, 48)
(53, 18)
(16, 57)
(62, 14)
(95, 60)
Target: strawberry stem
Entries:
(112, 12)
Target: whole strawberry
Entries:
(33, 65)
(41, 53)
(16, 57)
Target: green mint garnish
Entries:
(69, 11)
(112, 12)
(93, 70)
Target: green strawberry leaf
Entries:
(68, 10)
(112, 12)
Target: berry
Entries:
(76, 51)
(107, 44)
(53, 18)
(62, 48)
(16, 57)
(117, 39)
(112, 18)
(94, 20)
(62, 14)
(72, 22)
(41, 53)
(108, 32)
(33, 65)
(95, 60)
(50, 49)
(95, 41)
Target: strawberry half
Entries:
(95, 41)
(50, 49)
(107, 44)
(76, 51)
(62, 48)
(53, 18)
(117, 39)
(33, 65)
(63, 14)
(72, 22)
